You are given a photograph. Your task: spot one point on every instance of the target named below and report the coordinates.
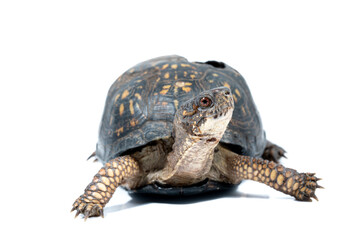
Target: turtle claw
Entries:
(315, 197)
(92, 155)
(77, 214)
(88, 209)
(307, 188)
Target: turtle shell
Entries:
(141, 105)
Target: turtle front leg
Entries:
(302, 186)
(123, 171)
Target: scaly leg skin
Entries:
(302, 186)
(273, 152)
(119, 171)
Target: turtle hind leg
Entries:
(93, 155)
(119, 171)
(273, 152)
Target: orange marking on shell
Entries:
(243, 110)
(164, 66)
(180, 84)
(164, 91)
(226, 85)
(215, 74)
(118, 131)
(164, 104)
(192, 76)
(166, 75)
(166, 86)
(174, 66)
(133, 122)
(121, 109)
(186, 89)
(117, 97)
(138, 96)
(131, 107)
(125, 94)
(237, 92)
(185, 65)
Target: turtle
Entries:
(175, 127)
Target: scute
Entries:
(141, 104)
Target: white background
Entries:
(58, 58)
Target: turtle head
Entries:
(207, 114)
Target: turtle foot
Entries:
(307, 187)
(87, 208)
(273, 152)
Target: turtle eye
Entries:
(205, 102)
